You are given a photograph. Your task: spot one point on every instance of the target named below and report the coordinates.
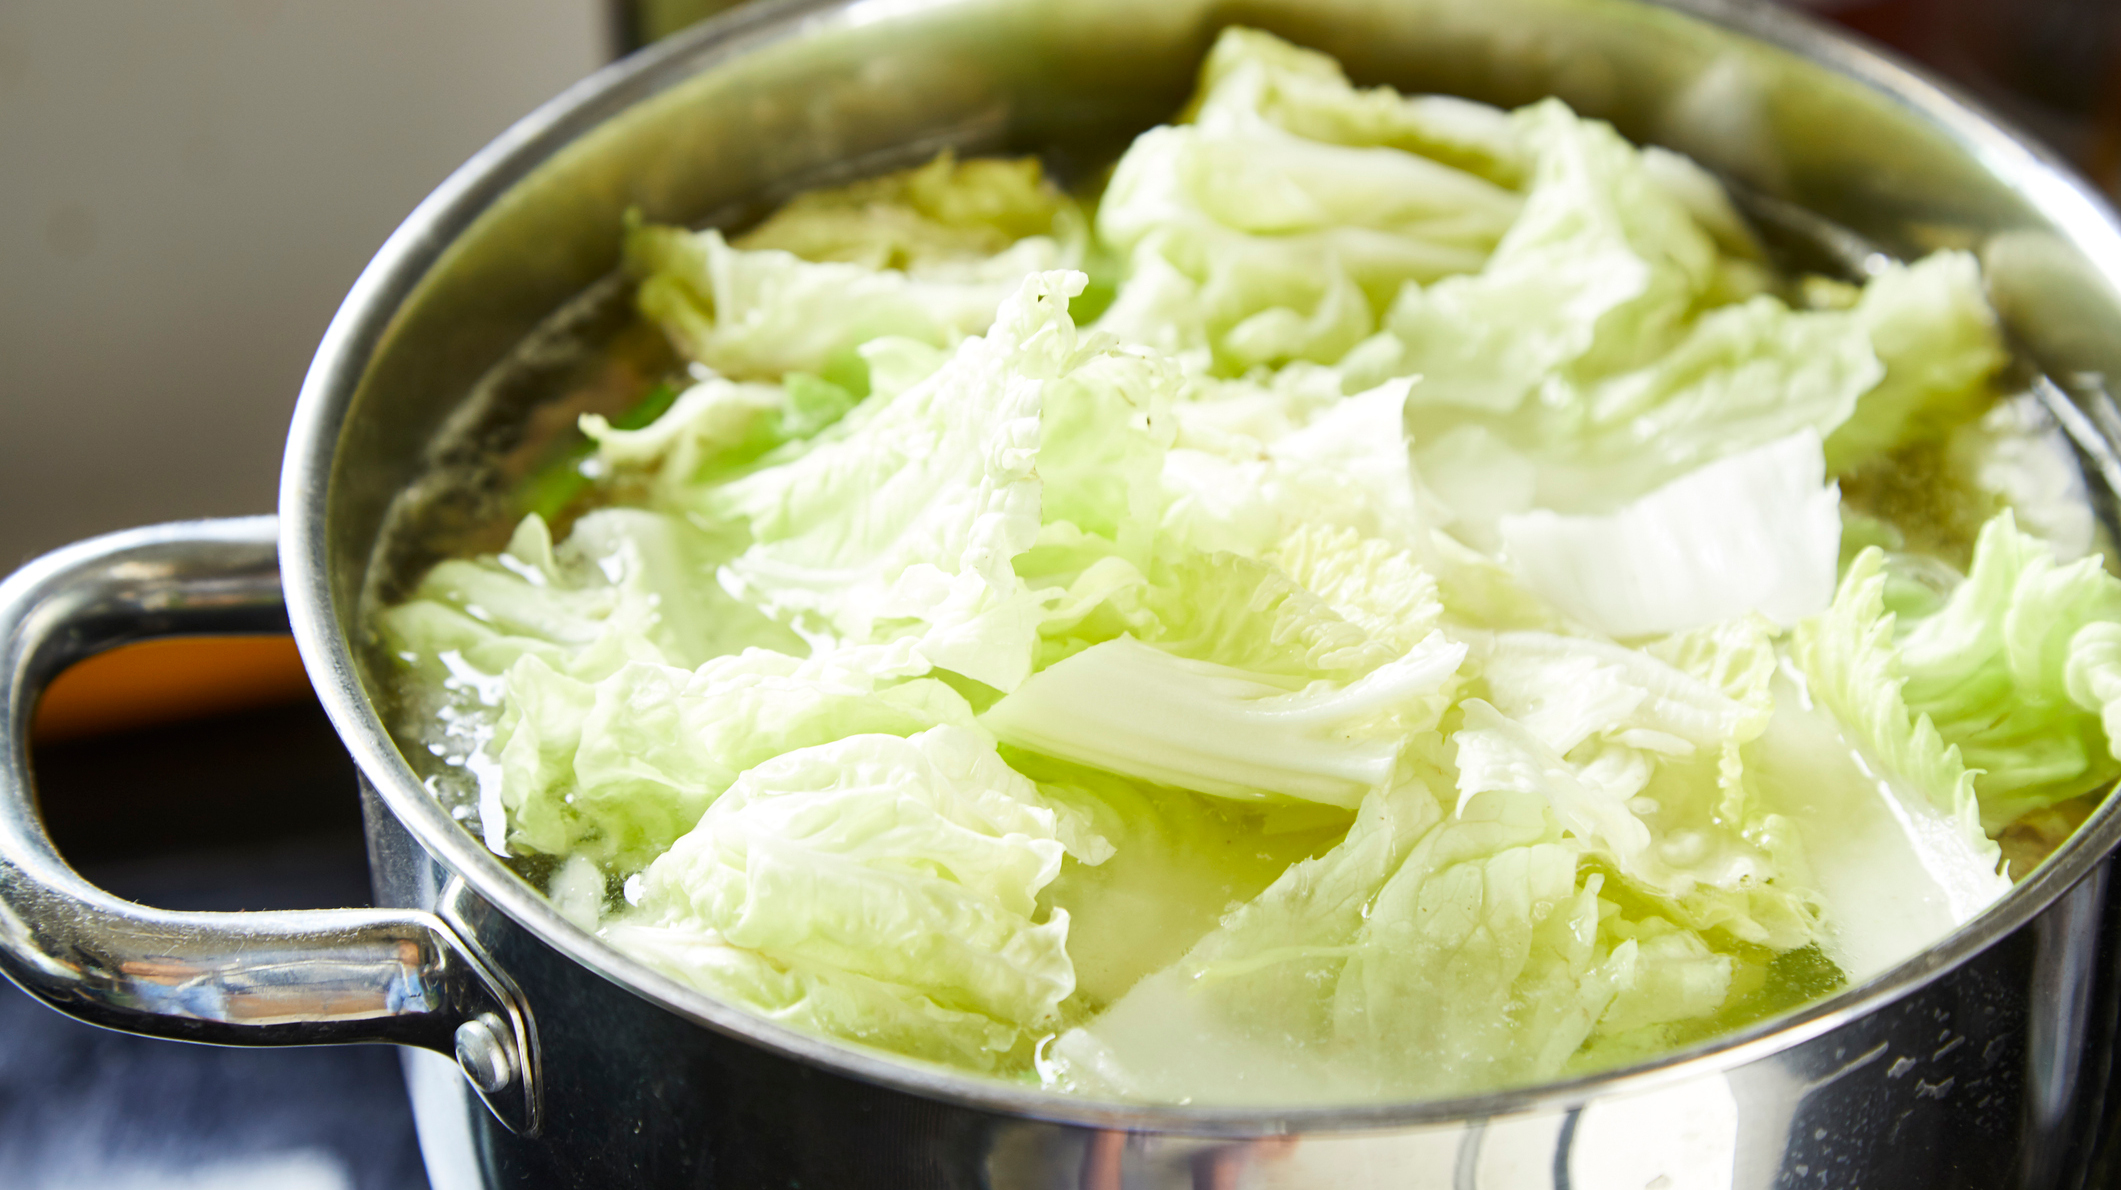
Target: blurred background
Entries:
(187, 192)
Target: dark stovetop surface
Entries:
(249, 811)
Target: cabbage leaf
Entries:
(1753, 532)
(906, 868)
(618, 768)
(1424, 956)
(906, 521)
(929, 254)
(1598, 272)
(1252, 240)
(627, 585)
(1990, 670)
(926, 221)
(1919, 778)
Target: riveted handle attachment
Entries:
(313, 977)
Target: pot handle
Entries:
(314, 977)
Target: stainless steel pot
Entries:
(1982, 1062)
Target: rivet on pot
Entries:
(484, 1053)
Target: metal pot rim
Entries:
(413, 249)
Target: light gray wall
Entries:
(186, 191)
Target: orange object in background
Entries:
(163, 681)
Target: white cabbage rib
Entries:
(1755, 532)
(1134, 709)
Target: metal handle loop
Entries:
(314, 977)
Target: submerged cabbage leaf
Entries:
(927, 220)
(718, 426)
(1941, 345)
(618, 768)
(1255, 1037)
(1179, 862)
(929, 254)
(905, 868)
(1480, 963)
(1916, 777)
(1641, 754)
(627, 585)
(1423, 956)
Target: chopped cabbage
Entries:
(907, 523)
(1940, 344)
(911, 865)
(618, 768)
(626, 586)
(1991, 669)
(1456, 618)
(1754, 532)
(1846, 655)
(1424, 955)
(943, 215)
